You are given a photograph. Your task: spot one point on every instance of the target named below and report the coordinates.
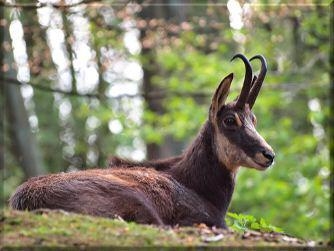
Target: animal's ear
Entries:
(219, 98)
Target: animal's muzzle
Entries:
(269, 156)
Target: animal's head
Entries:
(236, 140)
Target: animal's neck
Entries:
(201, 171)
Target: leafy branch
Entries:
(151, 95)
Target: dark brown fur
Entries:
(138, 194)
(159, 164)
(195, 187)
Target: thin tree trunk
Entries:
(69, 50)
(79, 159)
(24, 146)
(2, 96)
(150, 68)
(331, 117)
(101, 89)
(297, 43)
(23, 142)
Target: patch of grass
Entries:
(61, 229)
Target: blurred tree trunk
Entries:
(298, 47)
(68, 43)
(41, 67)
(79, 159)
(23, 142)
(331, 100)
(2, 96)
(23, 146)
(150, 68)
(101, 89)
(2, 109)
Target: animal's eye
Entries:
(230, 121)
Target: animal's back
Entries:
(142, 195)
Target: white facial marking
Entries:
(233, 156)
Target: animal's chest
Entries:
(190, 209)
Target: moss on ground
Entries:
(62, 229)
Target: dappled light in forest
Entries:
(88, 80)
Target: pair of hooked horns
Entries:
(251, 86)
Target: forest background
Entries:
(84, 80)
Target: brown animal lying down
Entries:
(195, 187)
(142, 195)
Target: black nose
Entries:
(269, 155)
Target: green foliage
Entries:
(242, 222)
(292, 108)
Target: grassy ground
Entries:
(61, 229)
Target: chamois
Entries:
(195, 187)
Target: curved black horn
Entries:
(247, 81)
(258, 82)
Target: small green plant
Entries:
(242, 222)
